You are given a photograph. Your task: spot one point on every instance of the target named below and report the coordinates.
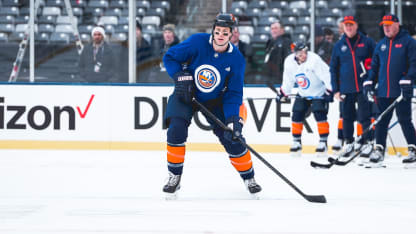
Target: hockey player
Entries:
(312, 76)
(347, 75)
(394, 64)
(215, 77)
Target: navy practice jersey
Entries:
(210, 70)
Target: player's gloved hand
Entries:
(407, 89)
(184, 86)
(235, 123)
(328, 96)
(368, 89)
(281, 96)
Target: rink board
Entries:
(131, 118)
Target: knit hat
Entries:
(169, 27)
(98, 29)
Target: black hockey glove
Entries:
(328, 96)
(281, 96)
(368, 89)
(184, 86)
(407, 89)
(235, 123)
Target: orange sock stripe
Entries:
(359, 129)
(323, 128)
(176, 154)
(242, 163)
(297, 128)
(372, 121)
(340, 124)
(243, 112)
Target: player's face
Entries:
(222, 35)
(301, 56)
(391, 30)
(97, 37)
(350, 29)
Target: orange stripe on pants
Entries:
(323, 128)
(297, 128)
(359, 129)
(242, 163)
(176, 154)
(340, 123)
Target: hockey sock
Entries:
(340, 127)
(297, 130)
(323, 129)
(176, 157)
(243, 164)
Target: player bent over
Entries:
(312, 75)
(215, 77)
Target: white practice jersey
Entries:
(312, 76)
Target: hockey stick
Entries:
(271, 86)
(310, 198)
(389, 108)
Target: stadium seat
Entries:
(55, 3)
(118, 4)
(147, 37)
(59, 38)
(98, 4)
(239, 4)
(276, 12)
(299, 37)
(51, 11)
(16, 37)
(26, 11)
(7, 19)
(262, 30)
(326, 22)
(261, 4)
(109, 29)
(85, 37)
(10, 3)
(108, 20)
(65, 20)
(143, 4)
(278, 4)
(14, 11)
(156, 12)
(259, 39)
(151, 20)
(301, 29)
(245, 38)
(79, 3)
(93, 11)
(304, 20)
(46, 28)
(77, 11)
(118, 37)
(335, 12)
(238, 12)
(289, 29)
(3, 37)
(298, 5)
(123, 20)
(160, 4)
(344, 4)
(87, 29)
(42, 38)
(63, 28)
(290, 21)
(22, 19)
(23, 27)
(321, 4)
(253, 13)
(113, 12)
(149, 28)
(48, 19)
(121, 28)
(266, 20)
(7, 28)
(140, 12)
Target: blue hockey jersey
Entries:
(347, 75)
(394, 60)
(210, 70)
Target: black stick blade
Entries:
(316, 198)
(319, 165)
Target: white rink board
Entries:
(111, 115)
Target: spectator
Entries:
(243, 47)
(96, 63)
(322, 47)
(169, 39)
(143, 47)
(277, 49)
(329, 35)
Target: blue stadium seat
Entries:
(65, 20)
(262, 30)
(261, 4)
(7, 28)
(59, 38)
(51, 11)
(113, 12)
(98, 4)
(266, 20)
(238, 12)
(10, 3)
(239, 4)
(55, 3)
(289, 21)
(26, 11)
(160, 4)
(14, 11)
(140, 12)
(121, 28)
(304, 20)
(7, 19)
(272, 12)
(46, 28)
(246, 30)
(143, 4)
(156, 12)
(42, 38)
(22, 19)
(93, 11)
(85, 29)
(16, 37)
(79, 3)
(118, 4)
(3, 37)
(49, 19)
(118, 37)
(63, 28)
(279, 4)
(260, 39)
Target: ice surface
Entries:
(119, 192)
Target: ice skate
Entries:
(321, 149)
(357, 146)
(172, 186)
(366, 150)
(252, 187)
(336, 148)
(376, 158)
(296, 149)
(410, 160)
(347, 150)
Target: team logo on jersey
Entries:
(344, 48)
(302, 81)
(207, 78)
(398, 45)
(383, 47)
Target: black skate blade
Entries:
(319, 165)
